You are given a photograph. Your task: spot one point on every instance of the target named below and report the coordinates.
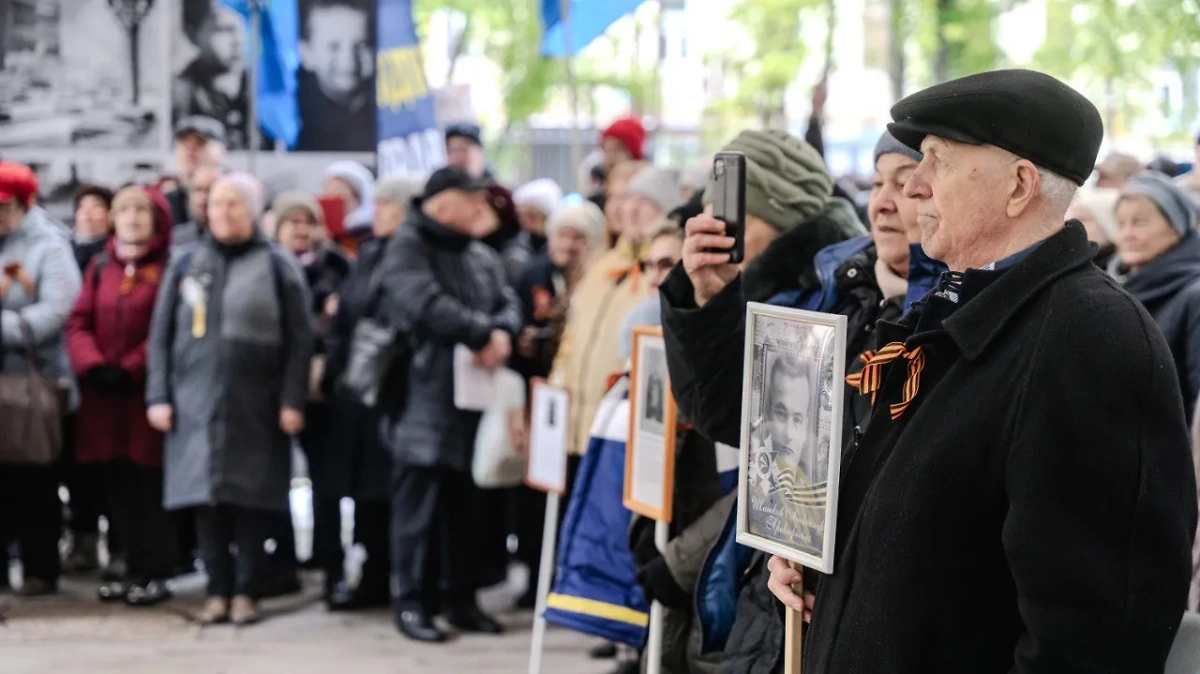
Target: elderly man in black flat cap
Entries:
(1022, 498)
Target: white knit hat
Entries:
(543, 194)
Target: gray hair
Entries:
(1057, 190)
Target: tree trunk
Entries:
(134, 29)
(896, 62)
(941, 62)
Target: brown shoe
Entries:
(215, 611)
(244, 611)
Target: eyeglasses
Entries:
(662, 264)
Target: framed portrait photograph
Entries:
(546, 467)
(791, 437)
(650, 451)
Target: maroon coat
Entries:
(109, 325)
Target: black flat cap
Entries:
(452, 178)
(466, 130)
(1028, 113)
(200, 125)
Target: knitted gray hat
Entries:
(1176, 204)
(786, 179)
(657, 185)
(292, 200)
(399, 189)
(889, 145)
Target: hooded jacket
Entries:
(109, 326)
(42, 248)
(589, 352)
(1169, 287)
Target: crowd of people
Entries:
(200, 334)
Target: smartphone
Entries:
(729, 200)
(334, 210)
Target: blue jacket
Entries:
(718, 587)
(595, 587)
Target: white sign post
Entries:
(546, 471)
(650, 456)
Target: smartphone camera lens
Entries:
(719, 167)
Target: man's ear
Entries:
(1025, 185)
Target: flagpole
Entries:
(576, 140)
(252, 113)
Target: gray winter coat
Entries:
(444, 289)
(228, 376)
(43, 249)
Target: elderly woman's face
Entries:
(893, 215)
(1145, 232)
(133, 216)
(533, 220)
(387, 218)
(91, 218)
(296, 230)
(336, 187)
(567, 247)
(229, 218)
(641, 216)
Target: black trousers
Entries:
(31, 514)
(221, 527)
(135, 501)
(84, 482)
(371, 519)
(431, 538)
(529, 513)
(315, 441)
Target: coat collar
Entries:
(976, 324)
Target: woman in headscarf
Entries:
(1158, 262)
(106, 340)
(229, 357)
(354, 184)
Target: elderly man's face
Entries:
(11, 214)
(960, 193)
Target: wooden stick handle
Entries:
(793, 638)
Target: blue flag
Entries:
(278, 59)
(409, 141)
(588, 21)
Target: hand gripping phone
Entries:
(729, 200)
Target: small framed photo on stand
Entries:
(791, 438)
(546, 467)
(650, 452)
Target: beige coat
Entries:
(590, 349)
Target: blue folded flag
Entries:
(278, 59)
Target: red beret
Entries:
(17, 183)
(629, 132)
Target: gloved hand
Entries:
(659, 585)
(110, 379)
(642, 541)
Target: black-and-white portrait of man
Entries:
(82, 73)
(336, 81)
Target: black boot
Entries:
(150, 593)
(470, 618)
(416, 624)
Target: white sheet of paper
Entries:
(649, 470)
(472, 383)
(547, 465)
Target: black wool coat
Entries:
(444, 289)
(1032, 510)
